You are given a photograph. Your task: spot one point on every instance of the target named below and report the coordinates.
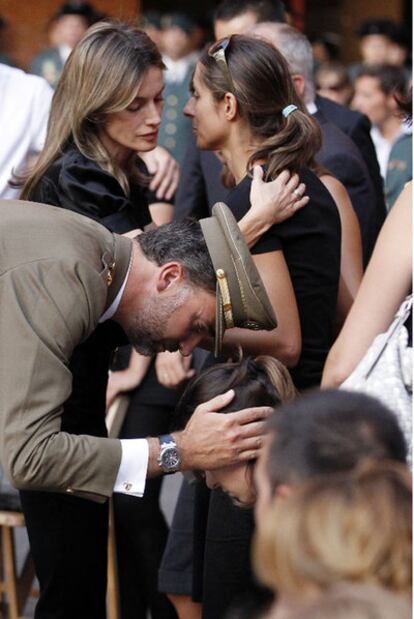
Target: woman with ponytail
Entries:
(244, 105)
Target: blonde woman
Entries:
(353, 527)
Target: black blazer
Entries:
(358, 127)
(343, 159)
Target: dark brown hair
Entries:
(263, 87)
(263, 381)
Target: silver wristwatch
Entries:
(169, 457)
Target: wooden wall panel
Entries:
(26, 32)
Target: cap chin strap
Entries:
(225, 297)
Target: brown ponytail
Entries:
(261, 83)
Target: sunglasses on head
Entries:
(218, 52)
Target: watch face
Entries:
(170, 458)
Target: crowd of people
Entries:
(261, 358)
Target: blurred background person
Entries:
(352, 527)
(66, 28)
(24, 111)
(376, 87)
(400, 162)
(400, 49)
(375, 38)
(179, 56)
(332, 81)
(325, 47)
(238, 16)
(4, 58)
(150, 22)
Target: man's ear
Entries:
(230, 106)
(392, 103)
(169, 274)
(299, 83)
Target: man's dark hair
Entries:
(329, 432)
(182, 242)
(391, 79)
(265, 10)
(384, 27)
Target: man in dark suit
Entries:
(357, 126)
(343, 159)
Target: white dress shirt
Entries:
(383, 146)
(132, 473)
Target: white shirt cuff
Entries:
(132, 474)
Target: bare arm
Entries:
(161, 212)
(128, 379)
(284, 342)
(351, 248)
(386, 282)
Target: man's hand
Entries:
(211, 440)
(166, 172)
(172, 368)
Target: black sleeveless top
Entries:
(311, 245)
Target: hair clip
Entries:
(289, 109)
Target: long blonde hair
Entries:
(352, 527)
(99, 78)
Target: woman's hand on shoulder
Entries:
(279, 199)
(271, 203)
